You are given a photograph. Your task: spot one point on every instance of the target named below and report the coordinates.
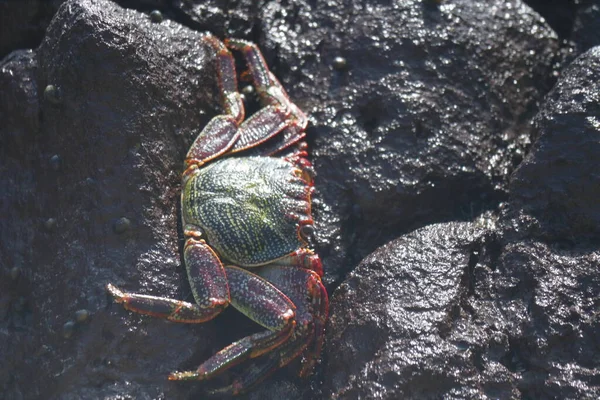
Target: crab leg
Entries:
(305, 289)
(261, 368)
(222, 131)
(209, 287)
(226, 133)
(273, 96)
(263, 303)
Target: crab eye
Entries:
(307, 231)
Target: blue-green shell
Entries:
(244, 207)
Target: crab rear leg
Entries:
(305, 289)
(209, 287)
(263, 303)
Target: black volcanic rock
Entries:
(433, 108)
(498, 308)
(460, 311)
(393, 321)
(586, 27)
(105, 142)
(559, 181)
(420, 112)
(24, 22)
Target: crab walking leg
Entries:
(272, 95)
(209, 287)
(222, 131)
(270, 91)
(263, 303)
(261, 368)
(263, 125)
(305, 289)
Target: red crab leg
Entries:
(260, 127)
(209, 287)
(307, 292)
(263, 303)
(222, 131)
(305, 289)
(261, 368)
(278, 106)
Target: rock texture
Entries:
(430, 106)
(501, 308)
(105, 144)
(394, 319)
(586, 26)
(420, 112)
(23, 23)
(558, 181)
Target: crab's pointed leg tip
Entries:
(115, 292)
(183, 376)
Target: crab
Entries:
(246, 217)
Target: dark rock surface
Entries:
(586, 27)
(23, 23)
(430, 106)
(393, 320)
(559, 181)
(457, 311)
(502, 308)
(107, 143)
(422, 122)
(560, 14)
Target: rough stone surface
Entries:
(458, 311)
(23, 23)
(502, 308)
(434, 104)
(424, 123)
(586, 27)
(224, 18)
(560, 14)
(559, 181)
(131, 97)
(393, 315)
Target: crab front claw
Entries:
(265, 352)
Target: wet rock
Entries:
(541, 298)
(134, 95)
(586, 28)
(433, 107)
(23, 23)
(425, 122)
(560, 14)
(222, 18)
(504, 310)
(393, 321)
(457, 311)
(21, 217)
(558, 183)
